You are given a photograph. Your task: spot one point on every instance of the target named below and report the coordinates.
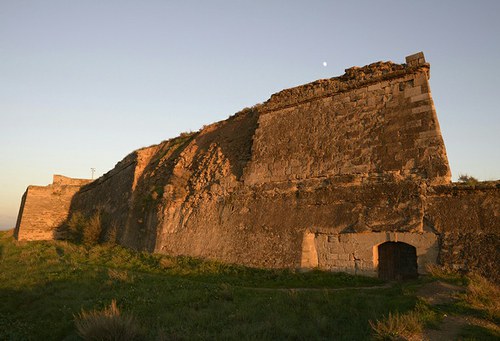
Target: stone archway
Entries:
(397, 260)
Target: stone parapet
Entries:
(354, 78)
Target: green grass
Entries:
(45, 285)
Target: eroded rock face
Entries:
(319, 175)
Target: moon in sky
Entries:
(325, 63)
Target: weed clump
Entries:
(120, 275)
(75, 227)
(398, 327)
(468, 179)
(92, 231)
(82, 230)
(111, 235)
(107, 324)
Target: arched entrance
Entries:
(397, 260)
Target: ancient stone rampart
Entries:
(337, 174)
(44, 208)
(377, 119)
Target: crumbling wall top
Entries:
(61, 180)
(354, 77)
(415, 59)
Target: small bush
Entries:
(467, 179)
(80, 229)
(92, 230)
(108, 324)
(186, 134)
(111, 234)
(398, 327)
(75, 227)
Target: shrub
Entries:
(75, 227)
(108, 324)
(80, 229)
(92, 230)
(186, 134)
(467, 179)
(398, 327)
(111, 234)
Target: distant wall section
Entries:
(44, 208)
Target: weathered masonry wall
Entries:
(44, 208)
(467, 219)
(321, 175)
(375, 119)
(358, 252)
(112, 195)
(154, 189)
(269, 225)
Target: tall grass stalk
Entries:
(398, 327)
(107, 324)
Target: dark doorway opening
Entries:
(397, 260)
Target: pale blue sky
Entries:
(83, 83)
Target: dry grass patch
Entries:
(398, 327)
(120, 275)
(483, 295)
(107, 324)
(92, 231)
(446, 274)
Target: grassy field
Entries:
(44, 286)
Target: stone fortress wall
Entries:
(320, 175)
(44, 208)
(376, 119)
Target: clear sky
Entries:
(83, 83)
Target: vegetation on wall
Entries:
(468, 179)
(88, 230)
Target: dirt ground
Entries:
(438, 293)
